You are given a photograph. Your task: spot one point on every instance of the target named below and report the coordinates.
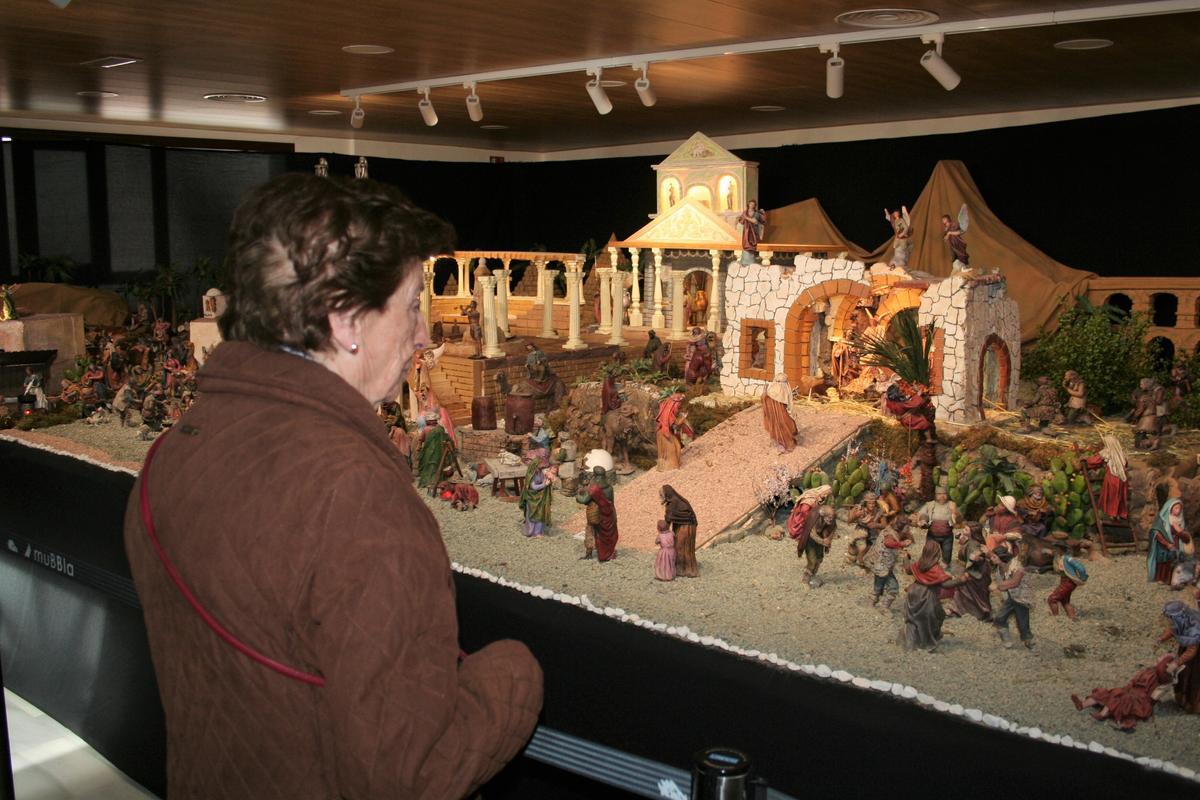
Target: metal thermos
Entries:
(721, 773)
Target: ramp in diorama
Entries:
(719, 472)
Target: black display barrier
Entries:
(74, 645)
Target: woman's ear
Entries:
(344, 330)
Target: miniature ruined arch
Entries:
(797, 330)
(896, 301)
(995, 362)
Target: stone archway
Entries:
(797, 328)
(995, 369)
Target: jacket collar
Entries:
(245, 369)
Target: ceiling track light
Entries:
(357, 116)
(644, 90)
(596, 91)
(474, 107)
(835, 70)
(426, 107)
(935, 65)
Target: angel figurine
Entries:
(902, 229)
(322, 168)
(953, 233)
(8, 308)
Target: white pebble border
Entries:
(818, 670)
(78, 457)
(827, 672)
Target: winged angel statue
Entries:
(953, 232)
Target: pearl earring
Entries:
(354, 348)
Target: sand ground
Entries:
(750, 593)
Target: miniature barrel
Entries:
(483, 413)
(518, 414)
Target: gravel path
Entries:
(749, 593)
(713, 475)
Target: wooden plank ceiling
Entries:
(291, 52)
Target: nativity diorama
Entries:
(949, 468)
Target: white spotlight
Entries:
(936, 66)
(474, 107)
(835, 72)
(426, 108)
(642, 84)
(357, 116)
(596, 91)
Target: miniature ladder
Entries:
(1105, 545)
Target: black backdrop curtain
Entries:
(1114, 194)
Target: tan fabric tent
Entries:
(807, 223)
(1037, 282)
(98, 306)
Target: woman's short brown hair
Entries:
(302, 246)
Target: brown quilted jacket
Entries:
(291, 517)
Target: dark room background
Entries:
(1116, 195)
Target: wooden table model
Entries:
(507, 481)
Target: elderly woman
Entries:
(679, 514)
(297, 593)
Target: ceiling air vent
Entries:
(234, 97)
(887, 18)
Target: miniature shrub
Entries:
(45, 419)
(1111, 356)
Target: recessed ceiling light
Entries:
(5, 138)
(886, 18)
(97, 94)
(493, 127)
(767, 108)
(612, 84)
(368, 49)
(108, 62)
(234, 97)
(324, 112)
(1083, 44)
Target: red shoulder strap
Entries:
(209, 619)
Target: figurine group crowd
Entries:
(148, 368)
(993, 558)
(1151, 405)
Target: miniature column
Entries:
(716, 296)
(618, 316)
(502, 297)
(635, 310)
(605, 300)
(548, 331)
(464, 277)
(765, 257)
(658, 320)
(540, 265)
(427, 294)
(574, 293)
(491, 346)
(677, 328)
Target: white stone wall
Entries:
(758, 292)
(968, 312)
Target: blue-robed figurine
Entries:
(1169, 539)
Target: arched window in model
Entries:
(1121, 302)
(671, 193)
(1166, 307)
(1162, 353)
(727, 188)
(701, 194)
